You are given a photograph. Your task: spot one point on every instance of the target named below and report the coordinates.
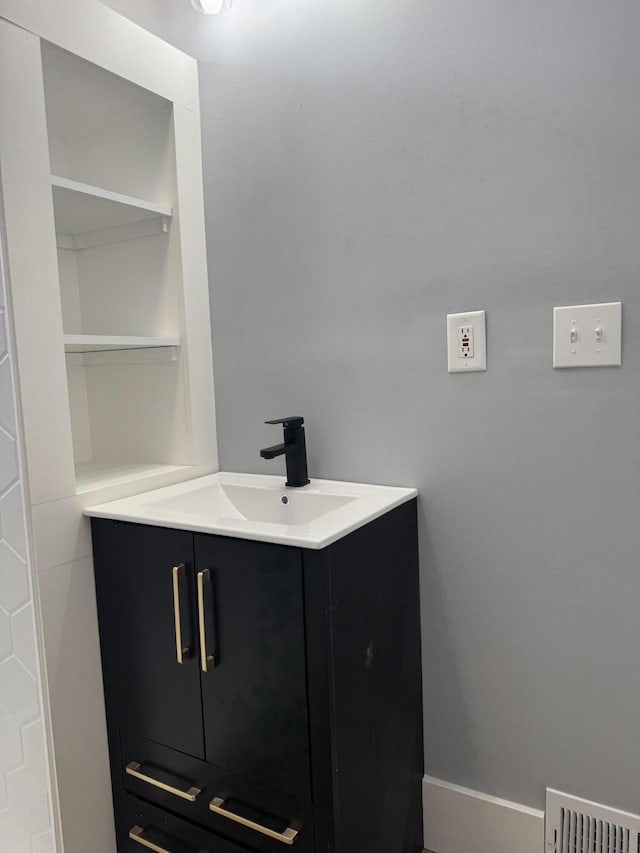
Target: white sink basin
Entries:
(255, 506)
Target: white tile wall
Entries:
(25, 801)
(69, 620)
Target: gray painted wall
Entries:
(369, 168)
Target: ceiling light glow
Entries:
(211, 7)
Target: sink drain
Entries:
(284, 499)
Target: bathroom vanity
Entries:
(262, 678)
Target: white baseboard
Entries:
(459, 820)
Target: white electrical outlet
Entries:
(588, 335)
(466, 342)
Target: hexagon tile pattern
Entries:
(25, 795)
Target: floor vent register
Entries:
(579, 826)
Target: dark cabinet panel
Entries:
(254, 697)
(377, 716)
(147, 689)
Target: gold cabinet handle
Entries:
(182, 652)
(136, 833)
(133, 769)
(287, 837)
(207, 661)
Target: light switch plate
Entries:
(466, 342)
(588, 335)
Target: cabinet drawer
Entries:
(141, 827)
(255, 816)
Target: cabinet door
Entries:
(254, 690)
(145, 588)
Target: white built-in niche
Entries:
(113, 181)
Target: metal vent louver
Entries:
(579, 826)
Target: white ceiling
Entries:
(269, 33)
(177, 22)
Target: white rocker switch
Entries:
(588, 335)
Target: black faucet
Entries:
(294, 448)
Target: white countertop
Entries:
(260, 507)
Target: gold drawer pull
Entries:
(287, 837)
(136, 834)
(133, 769)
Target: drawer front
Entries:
(256, 817)
(141, 827)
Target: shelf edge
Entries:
(115, 234)
(109, 195)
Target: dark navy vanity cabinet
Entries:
(262, 697)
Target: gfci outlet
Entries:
(466, 342)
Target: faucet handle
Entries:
(293, 422)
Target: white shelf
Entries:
(110, 343)
(87, 216)
(91, 476)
